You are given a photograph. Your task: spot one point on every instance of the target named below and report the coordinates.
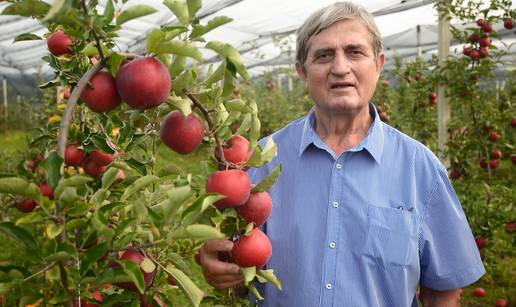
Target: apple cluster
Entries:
(480, 40)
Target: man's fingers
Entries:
(221, 279)
(216, 246)
(215, 267)
(227, 285)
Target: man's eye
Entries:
(324, 56)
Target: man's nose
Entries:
(340, 65)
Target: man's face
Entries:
(340, 69)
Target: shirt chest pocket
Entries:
(390, 233)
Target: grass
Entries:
(12, 142)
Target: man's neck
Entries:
(342, 131)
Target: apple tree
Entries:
(89, 218)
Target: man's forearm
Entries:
(434, 298)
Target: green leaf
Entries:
(59, 256)
(133, 12)
(59, 8)
(99, 197)
(113, 63)
(52, 230)
(30, 218)
(156, 43)
(91, 50)
(269, 276)
(179, 9)
(198, 232)
(268, 181)
(217, 75)
(265, 155)
(75, 181)
(183, 81)
(249, 274)
(6, 287)
(109, 11)
(202, 203)
(13, 185)
(231, 54)
(237, 105)
(92, 256)
(194, 294)
(27, 8)
(138, 185)
(19, 234)
(228, 83)
(176, 197)
(193, 7)
(52, 166)
(254, 134)
(134, 273)
(182, 104)
(177, 66)
(69, 196)
(109, 177)
(254, 291)
(216, 22)
(26, 37)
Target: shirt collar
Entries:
(373, 141)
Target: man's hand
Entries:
(220, 274)
(431, 298)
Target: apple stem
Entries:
(211, 128)
(70, 105)
(97, 41)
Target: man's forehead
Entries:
(357, 37)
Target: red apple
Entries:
(93, 169)
(482, 163)
(479, 292)
(494, 136)
(82, 302)
(59, 43)
(143, 83)
(508, 23)
(500, 302)
(493, 164)
(253, 250)
(74, 156)
(484, 41)
(181, 134)
(496, 154)
(27, 205)
(480, 22)
(474, 54)
(466, 51)
(481, 242)
(39, 158)
(101, 158)
(137, 257)
(30, 164)
(237, 151)
(513, 158)
(454, 173)
(46, 190)
(432, 97)
(256, 209)
(171, 280)
(510, 227)
(483, 52)
(233, 183)
(66, 93)
(486, 27)
(101, 95)
(473, 38)
(513, 122)
(385, 83)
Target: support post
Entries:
(443, 107)
(418, 41)
(6, 113)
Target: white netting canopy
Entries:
(262, 30)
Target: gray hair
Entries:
(327, 16)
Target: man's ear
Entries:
(300, 71)
(380, 61)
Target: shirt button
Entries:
(328, 286)
(339, 166)
(335, 204)
(332, 244)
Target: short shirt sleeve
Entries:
(449, 256)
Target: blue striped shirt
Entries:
(363, 228)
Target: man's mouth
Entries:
(339, 85)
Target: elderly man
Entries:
(362, 213)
